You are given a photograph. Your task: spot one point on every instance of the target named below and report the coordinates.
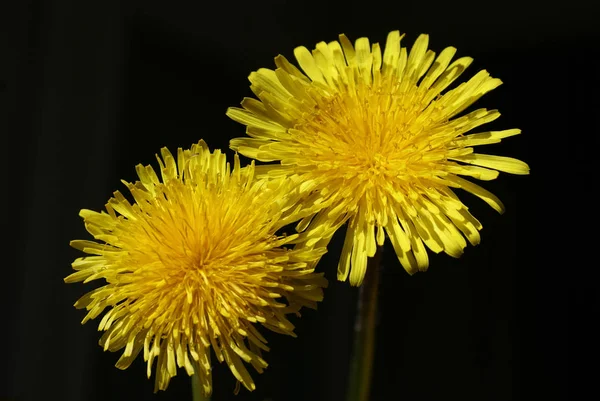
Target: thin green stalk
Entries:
(363, 351)
(197, 394)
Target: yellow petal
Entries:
(348, 50)
(416, 56)
(501, 163)
(476, 190)
(485, 138)
(308, 64)
(440, 65)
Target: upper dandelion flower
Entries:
(194, 262)
(377, 139)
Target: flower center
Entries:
(368, 133)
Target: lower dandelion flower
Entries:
(377, 140)
(194, 263)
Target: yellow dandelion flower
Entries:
(378, 140)
(195, 262)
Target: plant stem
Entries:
(197, 394)
(363, 351)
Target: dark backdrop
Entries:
(92, 88)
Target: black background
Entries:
(92, 88)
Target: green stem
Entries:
(197, 393)
(363, 351)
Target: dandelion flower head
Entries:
(193, 263)
(379, 140)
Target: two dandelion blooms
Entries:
(375, 139)
(378, 140)
(195, 263)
